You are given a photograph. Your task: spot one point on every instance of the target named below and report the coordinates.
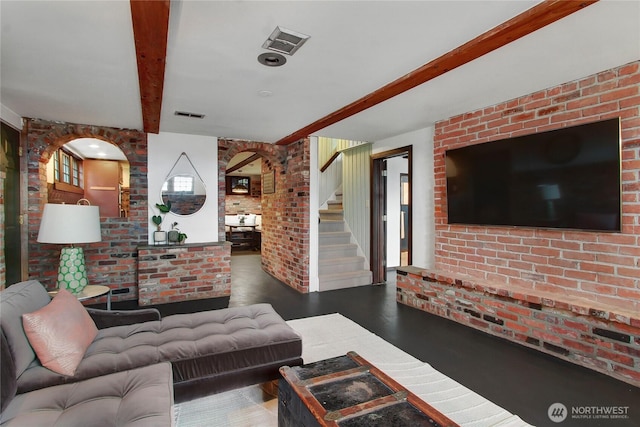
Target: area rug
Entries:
(334, 335)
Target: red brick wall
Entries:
(602, 267)
(597, 339)
(285, 213)
(285, 237)
(112, 261)
(243, 204)
(183, 272)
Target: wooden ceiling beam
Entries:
(531, 20)
(243, 163)
(150, 31)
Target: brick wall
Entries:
(597, 339)
(572, 294)
(603, 267)
(285, 237)
(112, 261)
(243, 204)
(169, 274)
(285, 213)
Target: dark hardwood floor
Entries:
(522, 380)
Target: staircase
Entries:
(339, 265)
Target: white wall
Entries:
(164, 149)
(395, 167)
(422, 190)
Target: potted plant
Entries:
(174, 234)
(160, 236)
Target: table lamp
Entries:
(69, 225)
(550, 193)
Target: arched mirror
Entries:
(186, 194)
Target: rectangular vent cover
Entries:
(285, 41)
(187, 114)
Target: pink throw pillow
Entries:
(60, 333)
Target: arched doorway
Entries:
(272, 161)
(111, 262)
(243, 202)
(93, 170)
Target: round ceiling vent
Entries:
(271, 59)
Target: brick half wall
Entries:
(597, 339)
(168, 274)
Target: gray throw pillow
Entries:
(16, 300)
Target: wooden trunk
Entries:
(348, 391)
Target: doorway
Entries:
(243, 202)
(12, 225)
(391, 212)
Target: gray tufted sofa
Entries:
(190, 354)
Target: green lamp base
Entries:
(72, 274)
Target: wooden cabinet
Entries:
(124, 202)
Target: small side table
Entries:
(91, 291)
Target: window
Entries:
(76, 174)
(179, 184)
(56, 166)
(66, 164)
(67, 171)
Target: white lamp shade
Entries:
(550, 191)
(69, 224)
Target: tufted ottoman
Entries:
(137, 398)
(209, 351)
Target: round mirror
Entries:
(185, 193)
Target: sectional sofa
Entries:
(130, 366)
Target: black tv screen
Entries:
(567, 178)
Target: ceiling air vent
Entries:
(285, 41)
(187, 114)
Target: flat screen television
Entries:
(567, 178)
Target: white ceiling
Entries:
(92, 148)
(75, 61)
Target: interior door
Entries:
(379, 214)
(102, 181)
(378, 220)
(12, 228)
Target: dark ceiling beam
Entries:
(527, 22)
(243, 163)
(150, 31)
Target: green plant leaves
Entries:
(164, 208)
